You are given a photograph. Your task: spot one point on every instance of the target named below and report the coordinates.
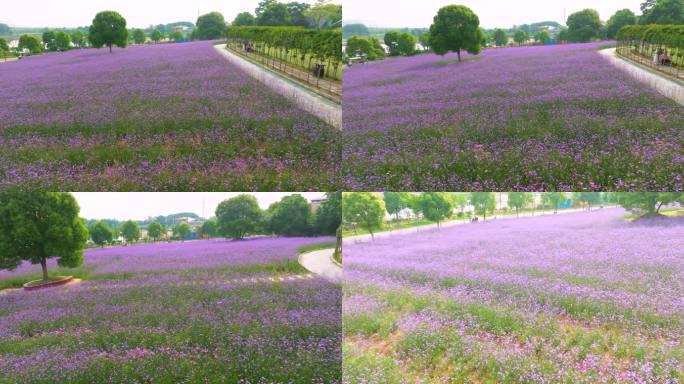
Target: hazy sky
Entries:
(138, 13)
(492, 13)
(141, 205)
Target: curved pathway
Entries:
(300, 95)
(671, 88)
(320, 262)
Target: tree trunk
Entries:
(110, 48)
(459, 55)
(43, 263)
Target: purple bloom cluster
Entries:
(554, 117)
(584, 297)
(178, 324)
(156, 117)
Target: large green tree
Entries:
(130, 230)
(36, 226)
(554, 199)
(239, 216)
(618, 20)
(584, 25)
(455, 28)
(395, 202)
(101, 233)
(210, 26)
(291, 216)
(62, 41)
(328, 216)
(365, 46)
(108, 29)
(589, 198)
(78, 38)
(519, 200)
(182, 231)
(520, 36)
(664, 12)
(365, 209)
(31, 43)
(500, 37)
(435, 206)
(48, 38)
(208, 229)
(156, 35)
(324, 15)
(155, 230)
(275, 14)
(139, 36)
(483, 202)
(243, 19)
(648, 202)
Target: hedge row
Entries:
(669, 35)
(324, 44)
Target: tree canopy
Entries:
(519, 200)
(208, 229)
(365, 46)
(243, 19)
(662, 12)
(156, 35)
(328, 216)
(182, 231)
(290, 216)
(101, 233)
(520, 36)
(130, 230)
(455, 28)
(483, 202)
(435, 206)
(648, 202)
(36, 226)
(155, 230)
(108, 29)
(583, 25)
(139, 36)
(500, 37)
(275, 14)
(31, 43)
(239, 216)
(210, 26)
(364, 209)
(618, 20)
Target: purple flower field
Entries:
(155, 117)
(583, 297)
(555, 117)
(200, 311)
(180, 256)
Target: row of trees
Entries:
(101, 233)
(321, 15)
(367, 210)
(293, 43)
(241, 216)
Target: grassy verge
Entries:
(316, 247)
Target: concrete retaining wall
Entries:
(667, 87)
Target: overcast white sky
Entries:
(138, 13)
(492, 13)
(141, 205)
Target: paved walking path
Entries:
(451, 223)
(320, 263)
(671, 88)
(306, 99)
